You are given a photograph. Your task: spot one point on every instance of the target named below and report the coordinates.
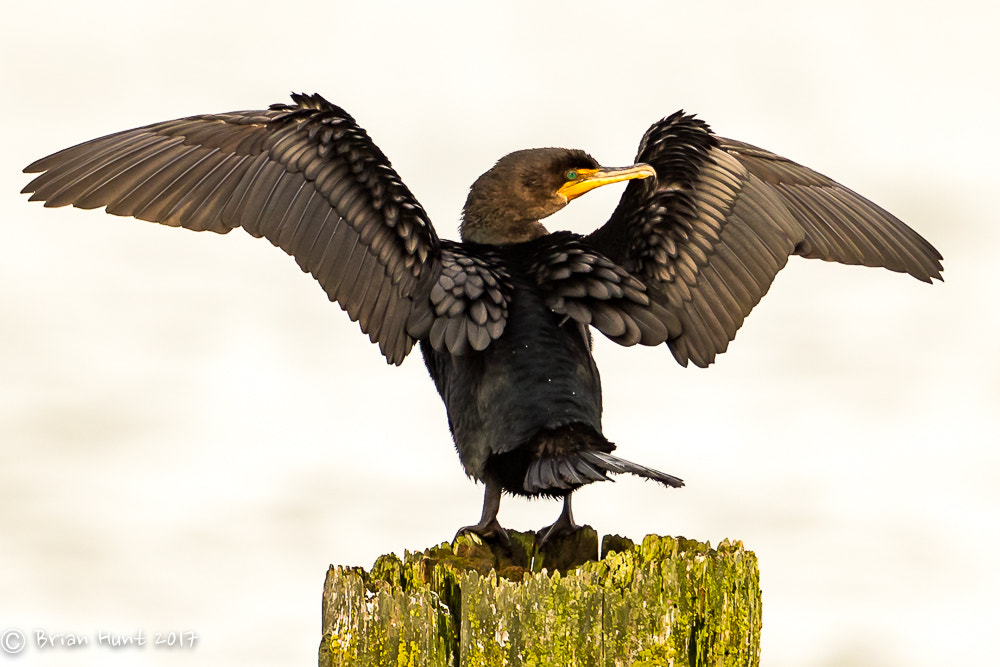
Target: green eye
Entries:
(571, 175)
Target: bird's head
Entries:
(506, 203)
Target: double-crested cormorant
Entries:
(502, 317)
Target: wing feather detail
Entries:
(307, 178)
(470, 299)
(721, 220)
(584, 285)
(839, 225)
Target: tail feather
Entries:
(564, 473)
(549, 472)
(609, 463)
(533, 478)
(569, 474)
(592, 473)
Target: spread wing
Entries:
(312, 182)
(722, 218)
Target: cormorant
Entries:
(503, 317)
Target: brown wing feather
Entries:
(305, 177)
(470, 299)
(721, 220)
(582, 284)
(839, 225)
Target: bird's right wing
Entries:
(311, 181)
(721, 219)
(586, 286)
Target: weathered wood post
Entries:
(666, 601)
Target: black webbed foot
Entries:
(490, 531)
(488, 527)
(563, 526)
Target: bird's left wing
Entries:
(311, 181)
(721, 219)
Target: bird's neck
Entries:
(499, 230)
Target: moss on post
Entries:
(666, 601)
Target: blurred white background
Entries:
(191, 432)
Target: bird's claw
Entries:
(561, 528)
(489, 531)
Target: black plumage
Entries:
(503, 318)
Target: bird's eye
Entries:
(571, 175)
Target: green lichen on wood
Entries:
(373, 623)
(666, 601)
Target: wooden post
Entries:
(666, 601)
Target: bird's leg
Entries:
(488, 526)
(563, 526)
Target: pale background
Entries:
(191, 433)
